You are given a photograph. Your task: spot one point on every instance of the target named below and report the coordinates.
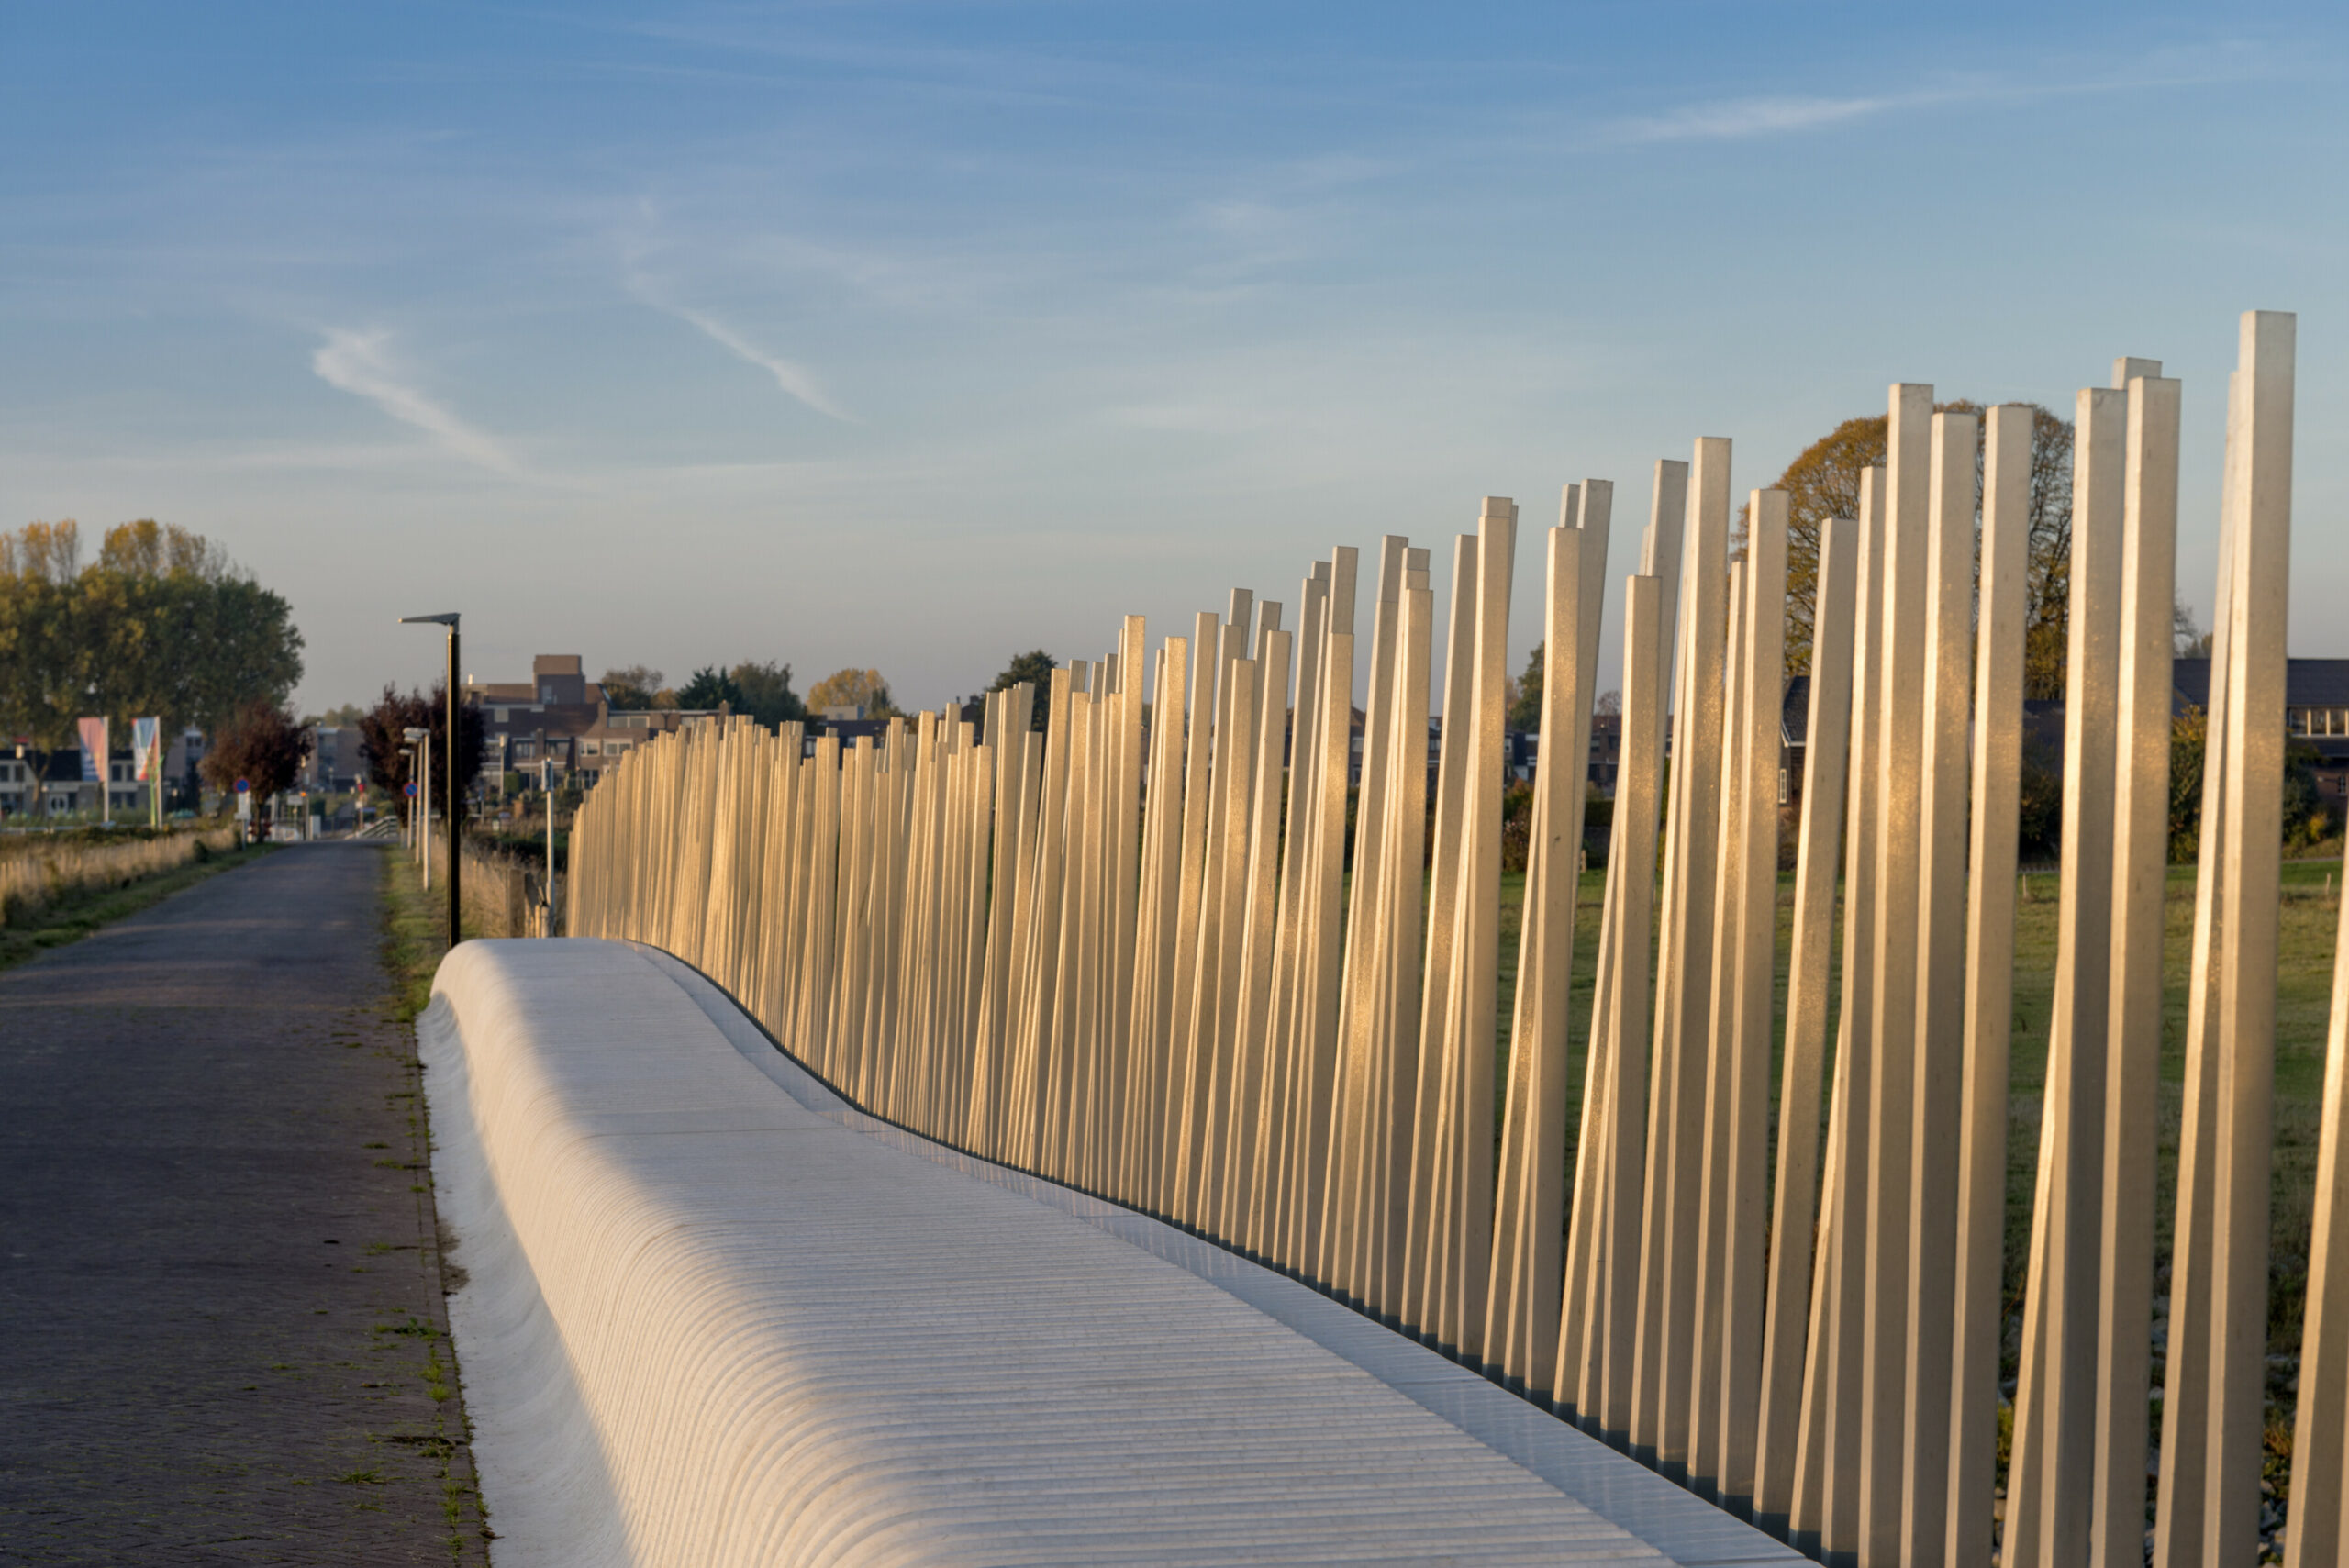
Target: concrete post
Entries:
(1938, 1030)
(1978, 1292)
(2055, 1451)
(1669, 1235)
(1826, 745)
(1899, 778)
(2231, 1250)
(2132, 1054)
(1746, 1083)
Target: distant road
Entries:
(218, 1295)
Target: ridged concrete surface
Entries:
(717, 1316)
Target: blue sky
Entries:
(914, 335)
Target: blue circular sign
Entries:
(244, 786)
(411, 791)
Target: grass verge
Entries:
(415, 941)
(2311, 893)
(75, 914)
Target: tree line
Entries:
(161, 624)
(764, 691)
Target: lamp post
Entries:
(419, 816)
(449, 619)
(546, 896)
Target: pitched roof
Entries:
(2308, 682)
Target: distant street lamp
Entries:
(546, 913)
(419, 815)
(456, 806)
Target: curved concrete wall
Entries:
(714, 1316)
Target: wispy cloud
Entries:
(361, 363)
(1741, 118)
(1737, 118)
(796, 380)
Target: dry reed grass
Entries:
(501, 892)
(36, 873)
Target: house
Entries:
(334, 765)
(51, 783)
(2043, 736)
(1606, 750)
(561, 716)
(1522, 752)
(16, 786)
(2316, 714)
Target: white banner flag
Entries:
(146, 737)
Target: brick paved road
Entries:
(220, 1298)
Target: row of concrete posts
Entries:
(1148, 954)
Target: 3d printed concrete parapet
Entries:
(712, 1315)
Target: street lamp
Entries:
(546, 899)
(419, 815)
(456, 807)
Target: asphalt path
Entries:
(222, 1337)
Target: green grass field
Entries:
(2311, 914)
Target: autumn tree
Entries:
(383, 741)
(160, 625)
(263, 745)
(863, 690)
(2047, 623)
(630, 688)
(1823, 482)
(1035, 666)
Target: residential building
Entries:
(560, 715)
(1522, 752)
(335, 765)
(16, 786)
(2316, 714)
(50, 783)
(1606, 750)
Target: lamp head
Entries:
(448, 618)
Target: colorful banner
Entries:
(146, 738)
(93, 751)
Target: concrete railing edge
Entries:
(1617, 1488)
(545, 1486)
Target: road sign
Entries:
(244, 786)
(411, 791)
